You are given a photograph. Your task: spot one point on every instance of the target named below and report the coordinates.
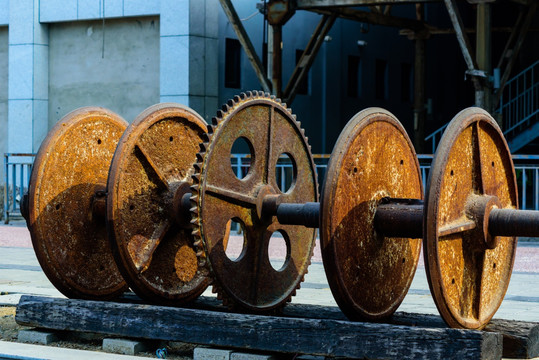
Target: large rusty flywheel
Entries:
(65, 204)
(472, 179)
(373, 160)
(270, 130)
(149, 226)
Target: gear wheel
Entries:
(250, 283)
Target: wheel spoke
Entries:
(147, 163)
(267, 166)
(231, 196)
(142, 248)
(455, 227)
(478, 183)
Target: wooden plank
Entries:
(520, 339)
(307, 4)
(333, 338)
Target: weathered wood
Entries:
(333, 338)
(520, 339)
(307, 4)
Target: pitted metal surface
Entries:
(149, 176)
(369, 274)
(250, 282)
(472, 173)
(65, 221)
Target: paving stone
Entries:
(123, 346)
(202, 353)
(246, 356)
(37, 337)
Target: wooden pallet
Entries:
(304, 329)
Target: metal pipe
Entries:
(400, 218)
(307, 214)
(509, 222)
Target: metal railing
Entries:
(521, 93)
(17, 170)
(520, 108)
(18, 167)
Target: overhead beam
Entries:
(373, 18)
(307, 58)
(308, 4)
(246, 43)
(464, 44)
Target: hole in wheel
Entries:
(452, 281)
(242, 156)
(494, 265)
(452, 173)
(98, 141)
(57, 207)
(402, 162)
(492, 164)
(285, 172)
(278, 250)
(171, 139)
(234, 239)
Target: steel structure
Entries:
(378, 12)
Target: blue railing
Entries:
(18, 168)
(521, 106)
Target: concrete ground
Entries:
(21, 274)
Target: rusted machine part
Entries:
(307, 214)
(508, 222)
(399, 218)
(67, 229)
(148, 204)
(472, 175)
(368, 273)
(250, 282)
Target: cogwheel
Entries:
(269, 127)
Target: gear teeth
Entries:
(200, 253)
(205, 137)
(197, 242)
(225, 108)
(243, 96)
(200, 157)
(194, 210)
(197, 166)
(230, 104)
(218, 115)
(237, 99)
(194, 222)
(249, 94)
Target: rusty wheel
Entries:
(373, 158)
(468, 271)
(68, 235)
(149, 176)
(270, 130)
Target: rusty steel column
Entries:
(276, 60)
(419, 85)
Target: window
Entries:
(406, 82)
(232, 63)
(303, 87)
(354, 76)
(381, 79)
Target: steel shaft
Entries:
(510, 222)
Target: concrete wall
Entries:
(124, 77)
(3, 93)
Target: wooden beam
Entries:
(246, 43)
(307, 58)
(372, 18)
(331, 338)
(308, 4)
(509, 67)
